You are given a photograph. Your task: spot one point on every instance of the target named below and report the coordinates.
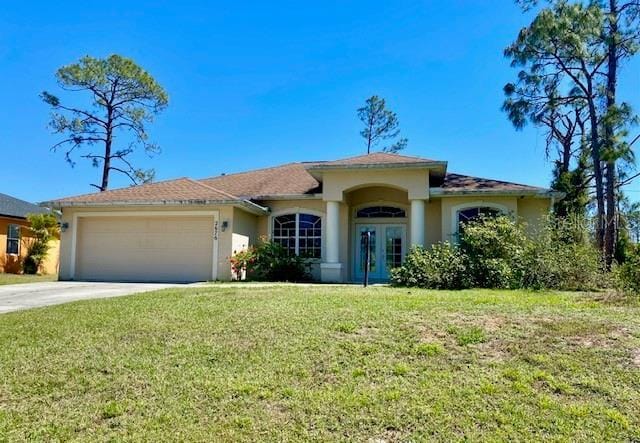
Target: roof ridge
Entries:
(204, 185)
(258, 170)
(380, 153)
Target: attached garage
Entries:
(145, 248)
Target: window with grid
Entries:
(381, 212)
(470, 214)
(300, 234)
(13, 239)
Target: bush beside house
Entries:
(44, 228)
(269, 261)
(500, 253)
(492, 252)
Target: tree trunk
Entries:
(610, 234)
(597, 174)
(106, 167)
(566, 154)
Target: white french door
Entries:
(386, 246)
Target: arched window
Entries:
(381, 212)
(470, 214)
(300, 234)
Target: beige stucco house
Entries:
(186, 230)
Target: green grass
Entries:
(12, 279)
(322, 363)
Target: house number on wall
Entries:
(215, 230)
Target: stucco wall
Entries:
(244, 228)
(531, 210)
(379, 194)
(450, 205)
(336, 183)
(13, 264)
(526, 209)
(433, 222)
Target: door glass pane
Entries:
(372, 248)
(393, 247)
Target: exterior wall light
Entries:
(64, 226)
(225, 225)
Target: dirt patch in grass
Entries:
(636, 357)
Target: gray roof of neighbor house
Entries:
(16, 208)
(291, 179)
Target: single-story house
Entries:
(186, 230)
(15, 235)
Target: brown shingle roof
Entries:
(468, 183)
(376, 158)
(178, 190)
(284, 180)
(288, 179)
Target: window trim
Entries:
(455, 210)
(19, 239)
(400, 220)
(375, 206)
(297, 211)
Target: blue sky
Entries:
(253, 84)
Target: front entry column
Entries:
(417, 222)
(331, 268)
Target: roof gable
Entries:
(378, 160)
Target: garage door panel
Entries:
(145, 248)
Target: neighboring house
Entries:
(186, 230)
(15, 235)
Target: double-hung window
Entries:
(13, 239)
(300, 234)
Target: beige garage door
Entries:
(144, 248)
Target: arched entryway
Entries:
(384, 214)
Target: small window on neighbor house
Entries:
(381, 212)
(13, 239)
(300, 234)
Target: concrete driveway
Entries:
(33, 295)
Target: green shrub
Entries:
(500, 253)
(627, 275)
(44, 228)
(440, 267)
(270, 261)
(561, 256)
(494, 248)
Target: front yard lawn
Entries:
(12, 279)
(322, 363)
